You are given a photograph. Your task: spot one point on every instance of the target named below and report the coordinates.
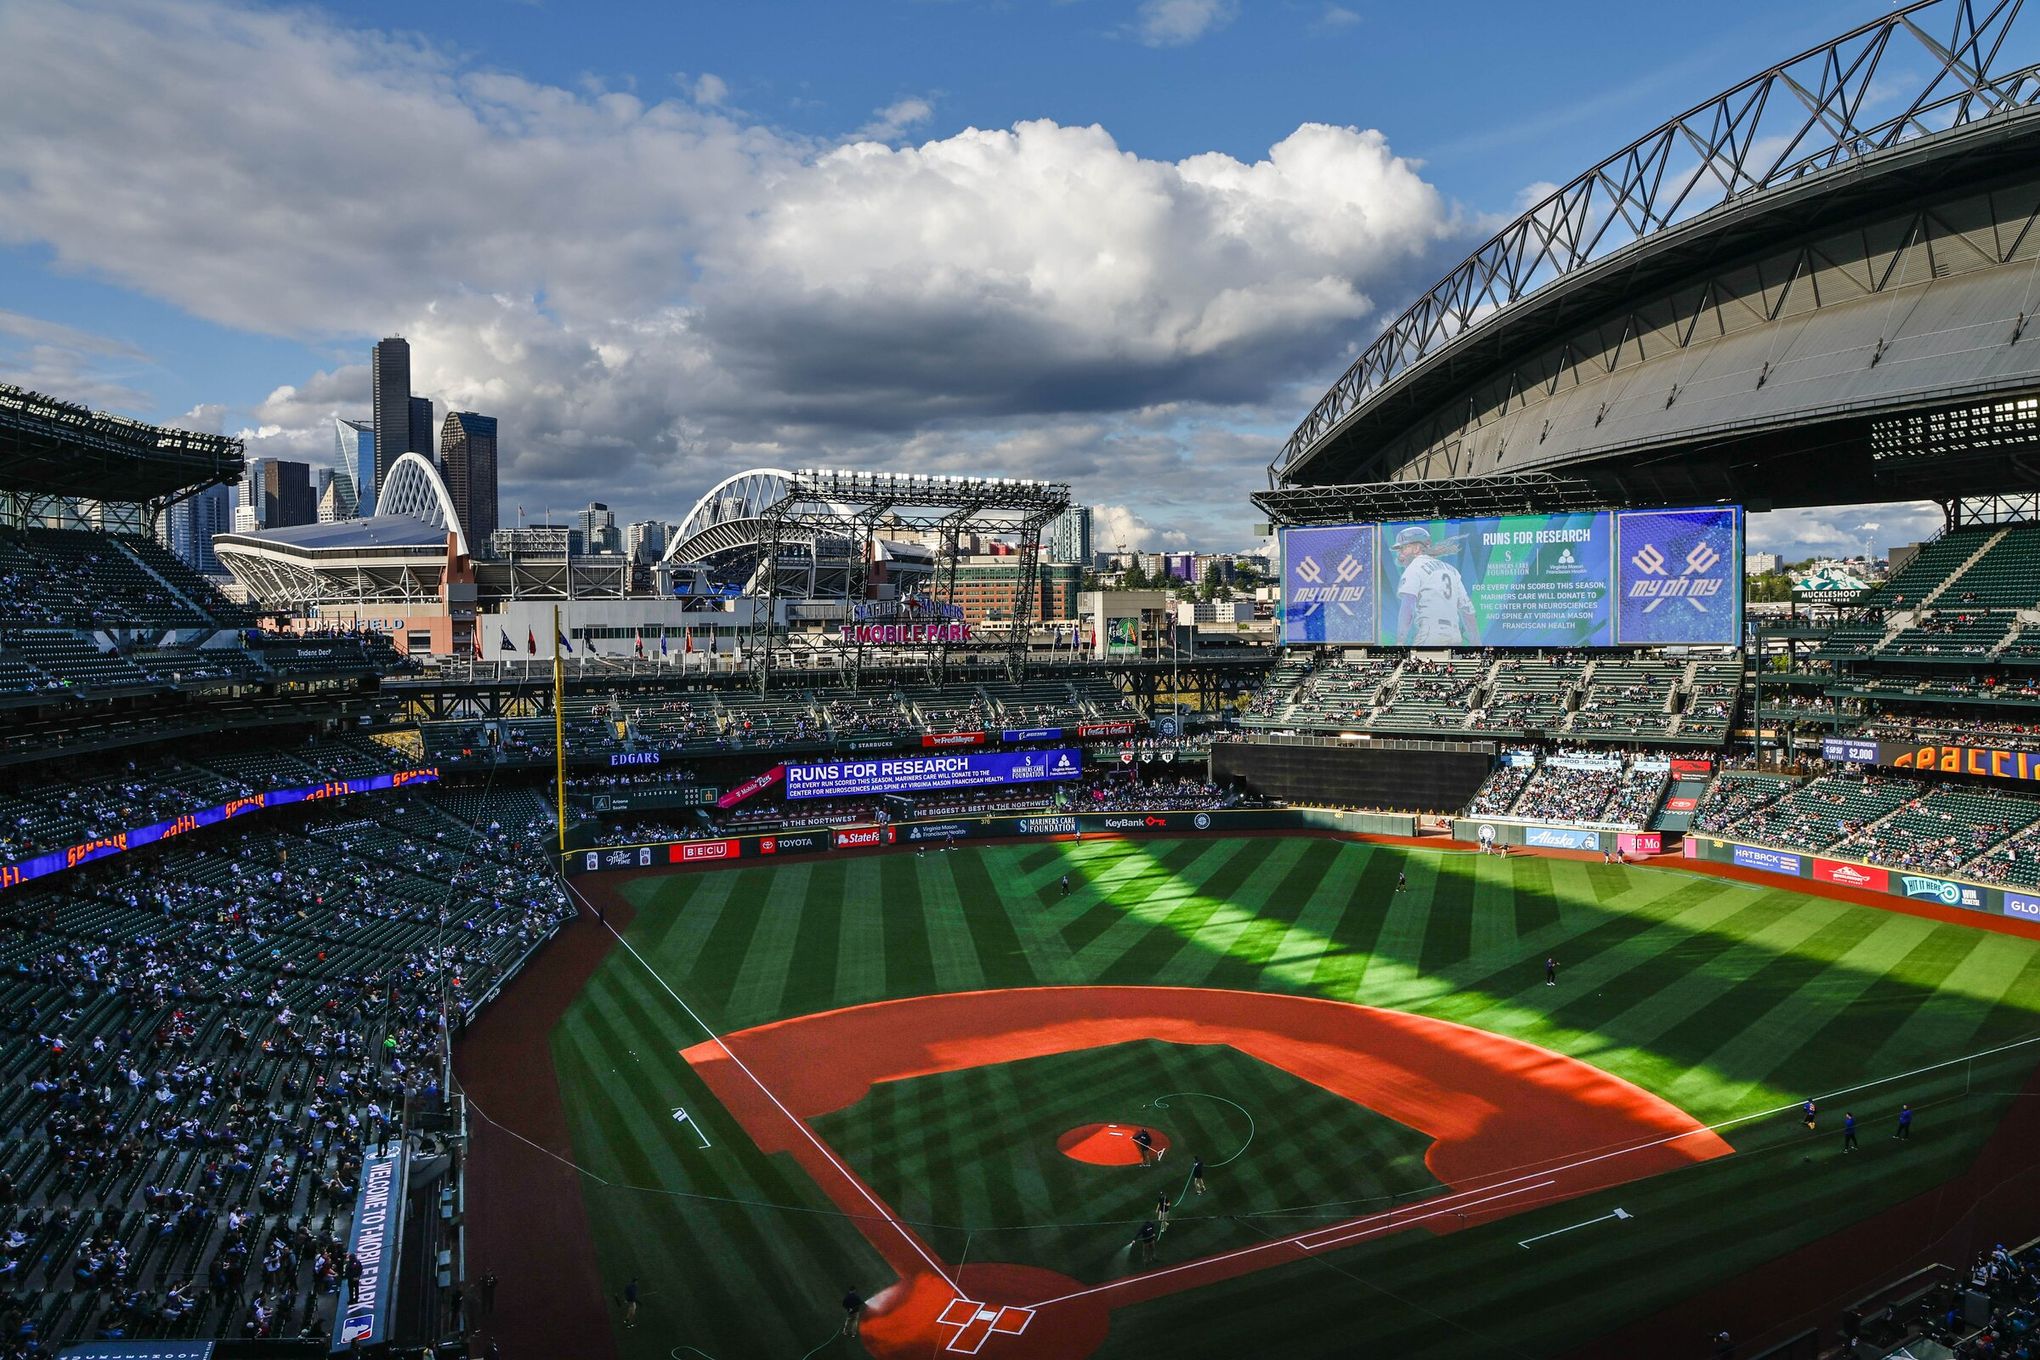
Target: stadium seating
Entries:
(1942, 830)
(1818, 814)
(1429, 696)
(1735, 794)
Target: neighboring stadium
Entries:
(1510, 955)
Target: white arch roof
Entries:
(734, 505)
(414, 489)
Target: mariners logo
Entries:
(1695, 584)
(1308, 570)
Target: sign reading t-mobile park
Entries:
(907, 774)
(366, 1304)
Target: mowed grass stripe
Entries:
(860, 938)
(1340, 973)
(1272, 901)
(1155, 909)
(909, 966)
(988, 916)
(1309, 921)
(1449, 895)
(1999, 967)
(1113, 873)
(761, 974)
(1219, 937)
(951, 945)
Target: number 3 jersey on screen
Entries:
(1577, 580)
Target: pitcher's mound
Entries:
(1107, 1144)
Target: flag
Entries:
(662, 642)
(640, 637)
(690, 639)
(531, 642)
(564, 644)
(476, 638)
(508, 645)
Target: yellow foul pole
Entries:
(559, 731)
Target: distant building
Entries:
(987, 584)
(467, 460)
(353, 468)
(1069, 536)
(1179, 566)
(1762, 563)
(391, 375)
(419, 427)
(187, 528)
(535, 540)
(247, 519)
(599, 533)
(645, 540)
(287, 497)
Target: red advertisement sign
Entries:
(1690, 765)
(1106, 729)
(1640, 842)
(937, 740)
(1681, 804)
(1851, 875)
(851, 836)
(757, 783)
(688, 852)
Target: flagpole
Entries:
(559, 731)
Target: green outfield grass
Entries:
(1727, 999)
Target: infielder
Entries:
(1435, 609)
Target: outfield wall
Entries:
(940, 831)
(1418, 776)
(2021, 904)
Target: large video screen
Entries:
(1605, 578)
(906, 774)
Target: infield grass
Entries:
(1725, 998)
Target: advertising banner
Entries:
(1945, 891)
(1015, 734)
(1122, 637)
(938, 741)
(1640, 842)
(657, 796)
(871, 744)
(619, 857)
(366, 1304)
(942, 831)
(756, 784)
(21, 871)
(698, 852)
(906, 774)
(853, 837)
(1122, 728)
(1771, 861)
(1561, 838)
(1586, 579)
(1328, 584)
(2021, 905)
(793, 843)
(1849, 749)
(1689, 765)
(1852, 875)
(1047, 826)
(1682, 803)
(1679, 574)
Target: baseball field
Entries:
(918, 1076)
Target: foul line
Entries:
(1366, 1225)
(793, 1119)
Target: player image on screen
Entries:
(1432, 604)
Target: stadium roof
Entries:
(353, 535)
(57, 448)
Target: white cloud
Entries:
(1338, 16)
(710, 89)
(652, 294)
(1176, 23)
(895, 118)
(1843, 531)
(1114, 527)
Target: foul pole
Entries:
(559, 732)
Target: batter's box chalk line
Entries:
(976, 1323)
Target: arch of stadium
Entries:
(1816, 288)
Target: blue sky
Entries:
(666, 242)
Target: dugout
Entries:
(1406, 776)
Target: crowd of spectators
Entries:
(202, 1042)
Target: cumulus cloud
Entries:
(1176, 23)
(653, 293)
(1116, 527)
(1337, 17)
(1843, 531)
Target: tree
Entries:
(1136, 577)
(1214, 581)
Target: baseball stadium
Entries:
(1539, 950)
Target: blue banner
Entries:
(1771, 861)
(1849, 749)
(1561, 838)
(1012, 734)
(21, 871)
(1328, 584)
(908, 774)
(1945, 891)
(1679, 574)
(366, 1304)
(2020, 904)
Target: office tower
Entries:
(1069, 536)
(645, 540)
(391, 367)
(353, 467)
(287, 494)
(188, 527)
(599, 533)
(420, 427)
(467, 461)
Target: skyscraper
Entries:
(392, 376)
(421, 428)
(1069, 536)
(599, 533)
(287, 497)
(353, 468)
(467, 460)
(645, 540)
(188, 527)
